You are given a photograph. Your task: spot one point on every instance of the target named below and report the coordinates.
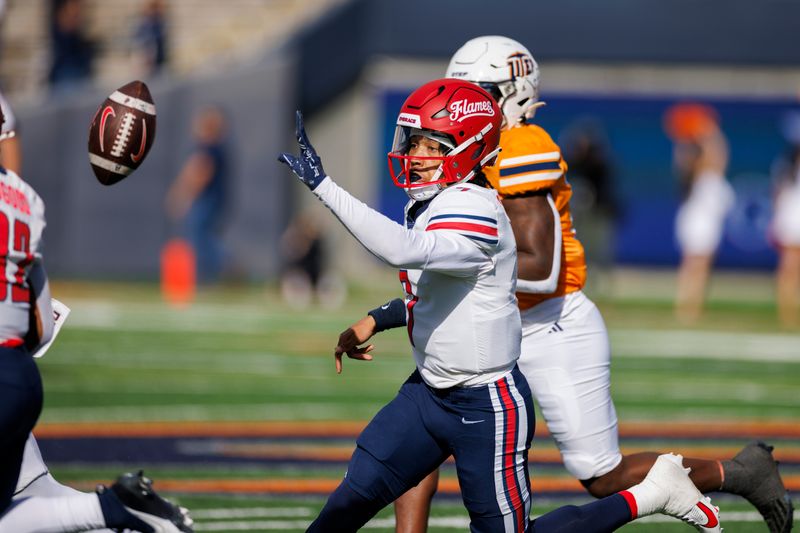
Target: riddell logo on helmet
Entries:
(464, 109)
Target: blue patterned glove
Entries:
(308, 166)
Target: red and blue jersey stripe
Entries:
(475, 227)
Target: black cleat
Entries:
(135, 492)
(755, 476)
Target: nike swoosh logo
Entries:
(136, 157)
(107, 112)
(465, 421)
(710, 516)
(385, 307)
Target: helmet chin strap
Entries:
(427, 192)
(420, 194)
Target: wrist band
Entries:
(389, 315)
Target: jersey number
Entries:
(20, 240)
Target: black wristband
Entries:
(389, 315)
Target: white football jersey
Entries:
(464, 326)
(21, 226)
(458, 264)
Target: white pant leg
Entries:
(566, 359)
(700, 221)
(62, 514)
(786, 221)
(42, 504)
(33, 466)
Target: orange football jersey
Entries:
(531, 161)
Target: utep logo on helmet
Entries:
(463, 109)
(519, 65)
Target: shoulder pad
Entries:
(529, 161)
(467, 210)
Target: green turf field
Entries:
(239, 354)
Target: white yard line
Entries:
(251, 512)
(238, 318)
(766, 347)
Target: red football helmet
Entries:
(462, 117)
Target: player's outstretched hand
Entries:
(307, 166)
(351, 338)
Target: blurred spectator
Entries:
(150, 38)
(786, 224)
(11, 154)
(305, 272)
(700, 159)
(587, 151)
(72, 52)
(197, 197)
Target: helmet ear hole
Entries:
(476, 153)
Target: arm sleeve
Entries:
(549, 284)
(445, 252)
(390, 315)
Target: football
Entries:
(122, 132)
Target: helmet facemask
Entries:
(515, 97)
(402, 167)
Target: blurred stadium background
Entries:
(231, 402)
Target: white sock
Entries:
(649, 498)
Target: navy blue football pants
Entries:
(487, 429)
(20, 405)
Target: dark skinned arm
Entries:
(537, 231)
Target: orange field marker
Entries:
(178, 279)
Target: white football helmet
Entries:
(505, 69)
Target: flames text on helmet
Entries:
(461, 110)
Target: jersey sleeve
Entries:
(37, 225)
(400, 247)
(530, 161)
